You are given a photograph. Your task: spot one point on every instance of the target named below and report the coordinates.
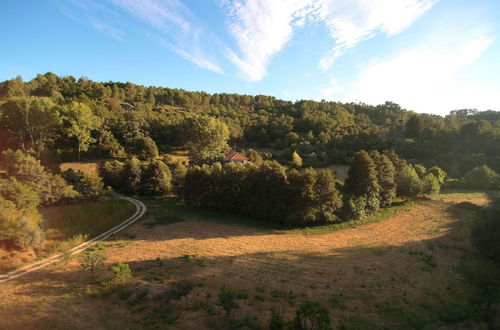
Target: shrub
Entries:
(90, 186)
(227, 298)
(311, 315)
(145, 148)
(408, 183)
(430, 185)
(156, 179)
(122, 273)
(481, 177)
(111, 173)
(276, 321)
(19, 228)
(92, 260)
(296, 160)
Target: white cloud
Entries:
(418, 79)
(351, 22)
(262, 28)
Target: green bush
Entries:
(408, 183)
(122, 273)
(430, 185)
(481, 177)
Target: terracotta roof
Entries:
(234, 155)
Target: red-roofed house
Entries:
(234, 156)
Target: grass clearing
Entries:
(67, 222)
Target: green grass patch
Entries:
(379, 216)
(89, 219)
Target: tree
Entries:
(385, 177)
(362, 180)
(179, 173)
(145, 148)
(414, 127)
(92, 260)
(156, 178)
(296, 160)
(205, 138)
(33, 120)
(408, 183)
(111, 173)
(90, 186)
(131, 175)
(80, 122)
(254, 157)
(430, 184)
(480, 177)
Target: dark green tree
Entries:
(131, 175)
(156, 179)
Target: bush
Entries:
(408, 183)
(111, 173)
(311, 315)
(122, 273)
(156, 179)
(19, 228)
(430, 185)
(145, 148)
(92, 260)
(131, 175)
(481, 177)
(91, 186)
(227, 299)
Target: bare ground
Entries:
(358, 273)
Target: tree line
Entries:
(54, 116)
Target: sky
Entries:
(430, 56)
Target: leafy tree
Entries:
(205, 137)
(156, 178)
(408, 183)
(481, 177)
(254, 157)
(23, 197)
(80, 122)
(145, 148)
(110, 172)
(29, 171)
(414, 127)
(179, 173)
(19, 228)
(131, 175)
(296, 160)
(90, 186)
(33, 120)
(438, 173)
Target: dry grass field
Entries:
(396, 273)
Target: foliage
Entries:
(110, 172)
(386, 173)
(205, 138)
(92, 260)
(122, 273)
(156, 178)
(80, 121)
(145, 148)
(264, 192)
(296, 160)
(227, 299)
(29, 171)
(430, 185)
(408, 183)
(131, 175)
(481, 177)
(311, 315)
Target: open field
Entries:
(68, 225)
(399, 273)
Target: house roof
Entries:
(234, 155)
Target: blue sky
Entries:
(427, 55)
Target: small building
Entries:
(235, 157)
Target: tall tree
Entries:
(414, 127)
(385, 177)
(80, 122)
(205, 137)
(33, 120)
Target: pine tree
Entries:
(385, 176)
(362, 180)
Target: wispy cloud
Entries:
(262, 28)
(351, 22)
(417, 78)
